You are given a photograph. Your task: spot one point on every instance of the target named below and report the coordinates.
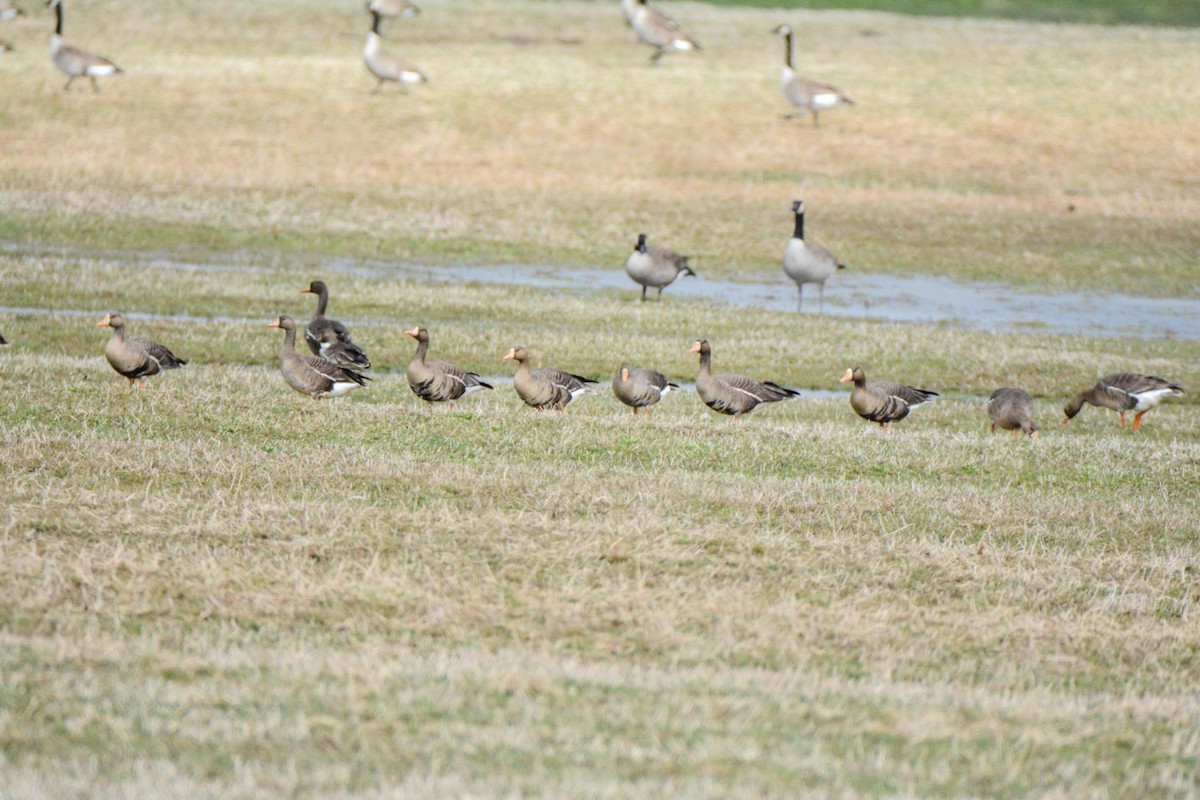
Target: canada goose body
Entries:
(658, 30)
(329, 338)
(438, 381)
(1122, 392)
(655, 266)
(807, 95)
(75, 62)
(545, 388)
(135, 359)
(1012, 410)
(393, 8)
(733, 394)
(884, 402)
(638, 387)
(804, 262)
(386, 66)
(313, 375)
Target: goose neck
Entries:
(799, 231)
(787, 50)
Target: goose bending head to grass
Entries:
(659, 31)
(733, 394)
(546, 388)
(387, 66)
(805, 262)
(1011, 409)
(807, 95)
(639, 387)
(438, 381)
(656, 267)
(1122, 392)
(314, 376)
(73, 61)
(884, 402)
(135, 359)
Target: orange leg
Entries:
(1137, 419)
(635, 411)
(1122, 419)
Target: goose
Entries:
(804, 93)
(386, 66)
(1124, 391)
(6, 46)
(733, 394)
(75, 62)
(807, 263)
(438, 381)
(655, 266)
(659, 31)
(628, 9)
(342, 353)
(639, 387)
(136, 359)
(313, 375)
(884, 402)
(1012, 410)
(393, 8)
(9, 11)
(328, 337)
(546, 387)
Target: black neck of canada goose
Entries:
(787, 48)
(375, 22)
(799, 232)
(641, 245)
(58, 18)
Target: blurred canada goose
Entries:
(75, 62)
(328, 337)
(1012, 410)
(807, 263)
(393, 8)
(313, 375)
(655, 266)
(438, 381)
(638, 387)
(386, 66)
(546, 387)
(628, 9)
(6, 46)
(136, 359)
(659, 31)
(9, 11)
(733, 394)
(1124, 391)
(884, 402)
(805, 94)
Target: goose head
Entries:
(283, 322)
(641, 243)
(517, 354)
(853, 375)
(113, 320)
(701, 346)
(782, 30)
(420, 334)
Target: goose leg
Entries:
(1122, 419)
(816, 122)
(821, 298)
(993, 428)
(1137, 419)
(378, 86)
(643, 294)
(659, 53)
(95, 83)
(70, 80)
(799, 297)
(659, 296)
(635, 411)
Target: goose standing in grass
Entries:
(438, 381)
(807, 263)
(75, 62)
(1012, 410)
(136, 359)
(659, 31)
(313, 375)
(807, 95)
(1124, 391)
(547, 387)
(639, 387)
(884, 402)
(655, 266)
(733, 394)
(386, 66)
(328, 337)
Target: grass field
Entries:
(214, 587)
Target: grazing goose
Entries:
(805, 94)
(733, 394)
(1124, 391)
(655, 266)
(546, 387)
(884, 402)
(386, 66)
(1012, 410)
(75, 62)
(659, 31)
(393, 8)
(438, 381)
(136, 359)
(807, 263)
(313, 375)
(638, 387)
(328, 337)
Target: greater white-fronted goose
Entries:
(655, 266)
(639, 387)
(659, 31)
(393, 8)
(328, 337)
(136, 359)
(1124, 391)
(807, 95)
(75, 62)
(733, 394)
(438, 381)
(884, 402)
(546, 387)
(387, 66)
(1012, 410)
(314, 376)
(807, 263)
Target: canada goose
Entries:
(328, 337)
(655, 266)
(805, 93)
(1012, 410)
(136, 359)
(75, 62)
(807, 263)
(1124, 391)
(6, 46)
(313, 375)
(9, 11)
(438, 381)
(884, 402)
(733, 394)
(658, 30)
(638, 387)
(628, 9)
(385, 66)
(393, 8)
(546, 387)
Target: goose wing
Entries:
(165, 358)
(911, 396)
